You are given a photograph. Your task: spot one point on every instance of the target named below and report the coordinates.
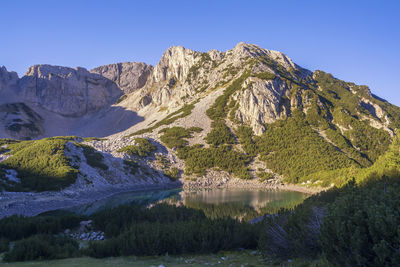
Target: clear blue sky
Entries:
(356, 41)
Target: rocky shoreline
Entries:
(31, 204)
(215, 179)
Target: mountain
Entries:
(245, 117)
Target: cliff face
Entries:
(272, 87)
(128, 76)
(183, 76)
(8, 80)
(290, 112)
(67, 91)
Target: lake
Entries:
(243, 204)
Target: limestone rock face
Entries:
(8, 80)
(183, 75)
(20, 121)
(175, 62)
(129, 76)
(261, 103)
(67, 91)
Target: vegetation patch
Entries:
(220, 134)
(134, 230)
(293, 149)
(142, 148)
(185, 111)
(175, 137)
(131, 166)
(41, 165)
(220, 109)
(93, 158)
(43, 247)
(264, 75)
(165, 165)
(369, 140)
(264, 176)
(199, 159)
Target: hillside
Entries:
(245, 117)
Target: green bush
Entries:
(198, 160)
(41, 165)
(42, 247)
(4, 245)
(175, 137)
(264, 75)
(142, 148)
(172, 173)
(292, 148)
(246, 140)
(18, 227)
(361, 228)
(263, 176)
(131, 166)
(220, 109)
(134, 230)
(185, 111)
(93, 158)
(220, 134)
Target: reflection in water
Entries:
(244, 204)
(237, 203)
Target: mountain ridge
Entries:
(213, 117)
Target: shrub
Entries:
(294, 149)
(198, 160)
(18, 227)
(186, 110)
(41, 165)
(264, 75)
(4, 245)
(361, 226)
(142, 148)
(219, 135)
(134, 230)
(175, 137)
(263, 176)
(93, 158)
(42, 247)
(172, 173)
(131, 166)
(220, 109)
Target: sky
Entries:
(356, 41)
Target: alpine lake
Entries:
(243, 204)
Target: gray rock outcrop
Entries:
(8, 80)
(129, 76)
(67, 91)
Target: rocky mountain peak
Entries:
(129, 76)
(175, 62)
(67, 91)
(244, 50)
(7, 79)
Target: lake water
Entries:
(237, 203)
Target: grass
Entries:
(231, 258)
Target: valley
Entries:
(247, 125)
